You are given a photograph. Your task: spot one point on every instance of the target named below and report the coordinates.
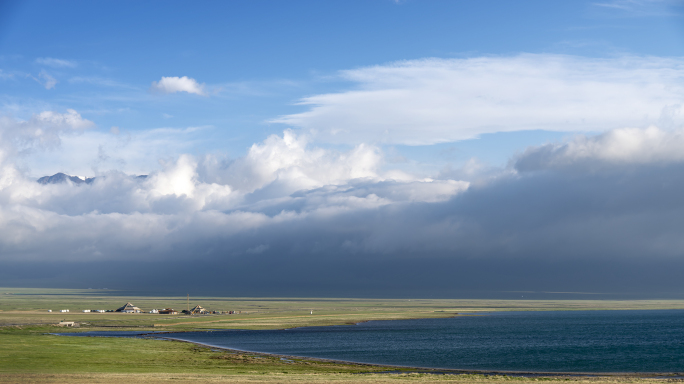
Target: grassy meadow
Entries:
(28, 353)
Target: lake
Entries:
(558, 341)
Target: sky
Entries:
(380, 148)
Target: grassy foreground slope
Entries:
(28, 353)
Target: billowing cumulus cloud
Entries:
(178, 84)
(442, 100)
(190, 200)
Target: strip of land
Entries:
(28, 353)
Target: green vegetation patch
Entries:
(32, 350)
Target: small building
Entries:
(154, 311)
(64, 310)
(68, 324)
(198, 310)
(86, 310)
(98, 310)
(168, 311)
(129, 308)
(49, 310)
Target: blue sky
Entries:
(342, 135)
(258, 59)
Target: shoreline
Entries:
(442, 371)
(402, 369)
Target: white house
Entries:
(129, 308)
(68, 324)
(64, 310)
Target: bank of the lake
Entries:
(28, 353)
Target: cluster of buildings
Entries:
(130, 308)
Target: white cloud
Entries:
(281, 180)
(48, 82)
(626, 146)
(71, 120)
(179, 179)
(178, 84)
(5, 76)
(56, 63)
(288, 161)
(435, 100)
(43, 130)
(100, 81)
(133, 152)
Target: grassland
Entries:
(28, 353)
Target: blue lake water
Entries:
(563, 341)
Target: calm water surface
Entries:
(567, 341)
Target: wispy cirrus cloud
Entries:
(56, 63)
(46, 80)
(643, 7)
(43, 131)
(178, 84)
(4, 75)
(441, 100)
(99, 81)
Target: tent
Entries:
(198, 310)
(129, 308)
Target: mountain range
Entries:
(59, 178)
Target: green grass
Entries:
(29, 306)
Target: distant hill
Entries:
(59, 178)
